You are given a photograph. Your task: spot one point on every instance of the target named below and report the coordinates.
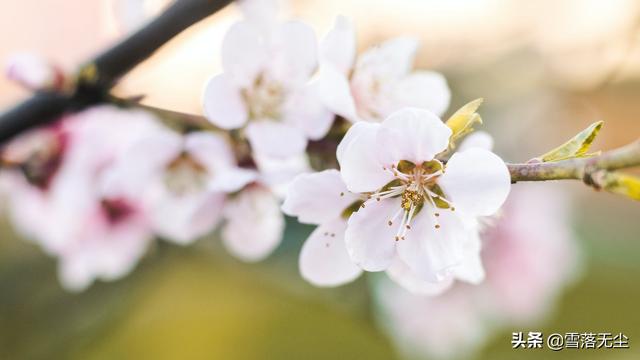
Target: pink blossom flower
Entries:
(378, 82)
(264, 88)
(95, 230)
(33, 72)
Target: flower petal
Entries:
(183, 219)
(317, 198)
(425, 90)
(223, 103)
(210, 149)
(477, 181)
(335, 92)
(412, 134)
(232, 179)
(478, 139)
(294, 53)
(262, 13)
(305, 110)
(369, 239)
(338, 47)
(254, 224)
(324, 260)
(274, 139)
(244, 53)
(431, 252)
(390, 60)
(142, 162)
(357, 155)
(405, 277)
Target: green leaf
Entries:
(577, 147)
(462, 121)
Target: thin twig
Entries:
(598, 172)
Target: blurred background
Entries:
(546, 70)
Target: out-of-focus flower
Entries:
(529, 257)
(33, 72)
(254, 223)
(420, 208)
(61, 200)
(189, 183)
(379, 81)
(182, 180)
(264, 87)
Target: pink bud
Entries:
(33, 72)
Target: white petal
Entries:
(262, 13)
(338, 48)
(295, 53)
(232, 179)
(305, 110)
(183, 219)
(141, 163)
(210, 149)
(477, 181)
(370, 240)
(335, 92)
(390, 60)
(244, 53)
(254, 224)
(275, 139)
(31, 71)
(478, 139)
(277, 173)
(431, 252)
(412, 134)
(405, 277)
(358, 157)
(425, 90)
(223, 103)
(471, 270)
(324, 260)
(317, 198)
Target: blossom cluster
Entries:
(98, 187)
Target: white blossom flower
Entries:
(420, 209)
(378, 82)
(264, 87)
(323, 199)
(530, 256)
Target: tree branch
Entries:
(597, 172)
(99, 75)
(578, 169)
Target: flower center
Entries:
(116, 210)
(185, 175)
(416, 185)
(264, 99)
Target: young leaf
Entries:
(621, 184)
(577, 147)
(462, 121)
